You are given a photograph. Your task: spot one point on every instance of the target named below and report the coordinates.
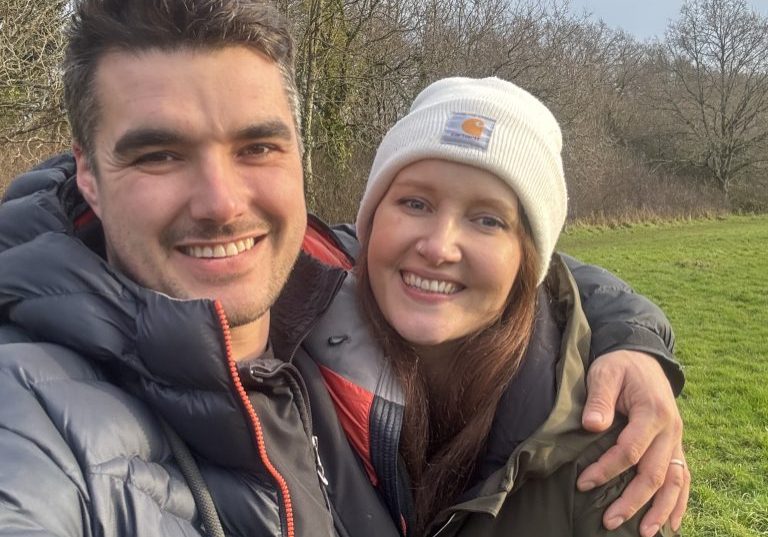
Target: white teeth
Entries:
(227, 249)
(430, 286)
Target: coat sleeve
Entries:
(42, 489)
(36, 497)
(622, 319)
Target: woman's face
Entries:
(444, 251)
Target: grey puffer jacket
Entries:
(91, 365)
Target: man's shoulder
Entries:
(47, 379)
(50, 173)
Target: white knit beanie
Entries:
(488, 123)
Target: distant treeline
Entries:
(669, 128)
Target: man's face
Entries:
(199, 183)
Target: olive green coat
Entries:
(535, 494)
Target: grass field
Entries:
(711, 278)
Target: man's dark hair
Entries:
(102, 26)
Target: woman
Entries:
(486, 345)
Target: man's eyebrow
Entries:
(140, 138)
(136, 139)
(267, 129)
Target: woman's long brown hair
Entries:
(448, 415)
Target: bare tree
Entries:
(32, 120)
(349, 52)
(360, 63)
(715, 84)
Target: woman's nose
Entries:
(441, 244)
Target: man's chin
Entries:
(239, 317)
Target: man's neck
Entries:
(251, 339)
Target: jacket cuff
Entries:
(623, 336)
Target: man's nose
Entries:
(220, 192)
(441, 242)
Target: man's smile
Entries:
(219, 250)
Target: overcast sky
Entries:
(643, 18)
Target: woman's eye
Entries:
(414, 204)
(491, 222)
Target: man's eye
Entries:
(256, 150)
(157, 157)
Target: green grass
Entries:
(711, 278)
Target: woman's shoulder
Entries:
(342, 346)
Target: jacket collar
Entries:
(314, 282)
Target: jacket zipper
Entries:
(320, 469)
(323, 480)
(315, 445)
(301, 397)
(255, 422)
(444, 526)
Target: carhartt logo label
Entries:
(473, 126)
(468, 130)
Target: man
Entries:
(152, 381)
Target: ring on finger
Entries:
(678, 462)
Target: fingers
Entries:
(634, 384)
(676, 518)
(604, 383)
(632, 444)
(670, 501)
(645, 397)
(639, 492)
(654, 479)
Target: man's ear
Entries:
(86, 179)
